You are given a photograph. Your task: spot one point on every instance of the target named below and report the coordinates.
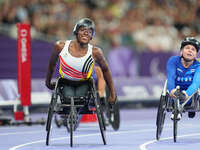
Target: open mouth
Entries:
(189, 55)
(85, 38)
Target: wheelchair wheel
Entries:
(50, 115)
(175, 124)
(72, 120)
(113, 113)
(102, 108)
(71, 129)
(100, 120)
(175, 121)
(160, 116)
(98, 110)
(99, 113)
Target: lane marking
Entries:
(143, 146)
(27, 132)
(87, 135)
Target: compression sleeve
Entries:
(195, 83)
(171, 73)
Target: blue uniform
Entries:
(187, 78)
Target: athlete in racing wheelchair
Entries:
(77, 58)
(181, 90)
(109, 116)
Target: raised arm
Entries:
(52, 63)
(100, 59)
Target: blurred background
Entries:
(137, 38)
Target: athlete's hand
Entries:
(185, 97)
(112, 99)
(172, 93)
(51, 85)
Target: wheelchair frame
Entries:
(72, 103)
(165, 105)
(110, 116)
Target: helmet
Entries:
(192, 41)
(85, 22)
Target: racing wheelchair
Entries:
(110, 114)
(69, 101)
(167, 104)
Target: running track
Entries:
(137, 132)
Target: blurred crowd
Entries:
(142, 25)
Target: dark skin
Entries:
(79, 48)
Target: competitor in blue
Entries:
(184, 71)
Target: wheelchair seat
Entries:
(84, 101)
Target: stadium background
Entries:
(137, 38)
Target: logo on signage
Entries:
(23, 35)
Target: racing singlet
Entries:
(187, 78)
(75, 68)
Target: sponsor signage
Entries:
(24, 63)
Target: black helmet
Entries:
(192, 41)
(85, 22)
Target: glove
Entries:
(50, 85)
(112, 104)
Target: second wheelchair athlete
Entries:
(184, 71)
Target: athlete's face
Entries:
(189, 52)
(84, 35)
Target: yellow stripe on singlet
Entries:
(60, 71)
(90, 71)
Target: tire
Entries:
(50, 116)
(175, 121)
(160, 117)
(99, 115)
(175, 125)
(100, 121)
(102, 112)
(71, 129)
(114, 115)
(98, 110)
(72, 121)
(116, 123)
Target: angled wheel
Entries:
(50, 115)
(100, 120)
(98, 112)
(113, 113)
(160, 116)
(102, 107)
(115, 116)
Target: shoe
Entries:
(179, 116)
(191, 114)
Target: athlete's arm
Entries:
(101, 82)
(52, 63)
(195, 83)
(171, 74)
(100, 59)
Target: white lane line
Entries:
(27, 132)
(143, 146)
(87, 135)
